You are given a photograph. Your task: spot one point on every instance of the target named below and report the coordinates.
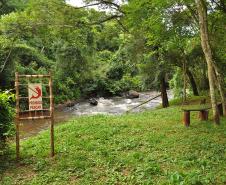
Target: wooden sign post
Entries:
(35, 103)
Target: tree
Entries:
(202, 12)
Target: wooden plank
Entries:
(34, 118)
(198, 107)
(195, 109)
(34, 76)
(45, 97)
(27, 84)
(25, 111)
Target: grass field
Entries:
(152, 147)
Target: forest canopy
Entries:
(135, 44)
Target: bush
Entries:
(6, 116)
(65, 91)
(177, 84)
(104, 86)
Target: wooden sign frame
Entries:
(34, 117)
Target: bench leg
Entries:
(186, 118)
(225, 113)
(220, 109)
(203, 115)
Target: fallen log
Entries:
(143, 103)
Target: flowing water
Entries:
(113, 106)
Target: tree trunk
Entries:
(202, 12)
(185, 82)
(165, 102)
(222, 98)
(205, 80)
(192, 82)
(219, 81)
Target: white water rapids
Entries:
(111, 106)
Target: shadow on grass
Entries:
(7, 160)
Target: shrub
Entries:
(6, 116)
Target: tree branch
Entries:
(106, 19)
(6, 60)
(193, 13)
(86, 6)
(123, 27)
(103, 2)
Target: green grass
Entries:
(145, 148)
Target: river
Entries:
(112, 106)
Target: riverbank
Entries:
(152, 147)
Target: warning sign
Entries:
(35, 96)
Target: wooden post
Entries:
(206, 114)
(186, 118)
(17, 117)
(30, 114)
(52, 117)
(203, 115)
(225, 109)
(220, 108)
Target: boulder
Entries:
(93, 101)
(133, 94)
(70, 103)
(67, 104)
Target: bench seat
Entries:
(202, 109)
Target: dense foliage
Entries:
(92, 52)
(84, 59)
(6, 117)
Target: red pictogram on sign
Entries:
(37, 91)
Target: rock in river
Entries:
(93, 101)
(132, 94)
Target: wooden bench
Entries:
(203, 113)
